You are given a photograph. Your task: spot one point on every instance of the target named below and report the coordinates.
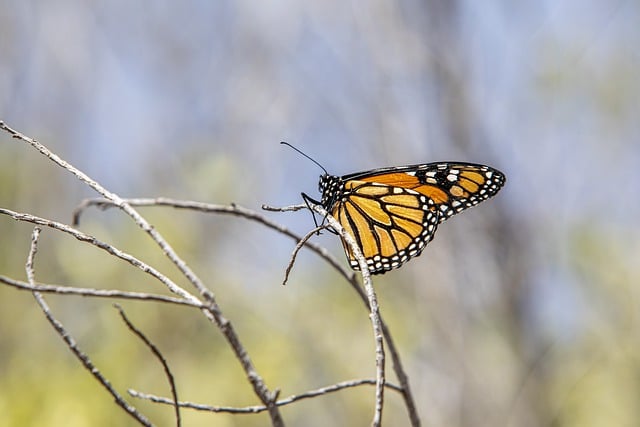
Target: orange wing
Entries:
(390, 224)
(453, 187)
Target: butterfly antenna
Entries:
(308, 157)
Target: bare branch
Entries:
(259, 408)
(373, 306)
(98, 293)
(333, 388)
(68, 339)
(299, 246)
(212, 311)
(33, 249)
(158, 354)
(292, 208)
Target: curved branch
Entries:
(156, 352)
(256, 409)
(373, 306)
(299, 246)
(99, 293)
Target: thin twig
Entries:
(154, 349)
(292, 208)
(68, 339)
(373, 306)
(98, 293)
(299, 246)
(260, 408)
(33, 249)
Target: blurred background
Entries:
(522, 312)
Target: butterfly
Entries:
(393, 212)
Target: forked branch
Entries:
(209, 306)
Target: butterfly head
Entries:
(330, 187)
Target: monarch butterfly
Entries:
(393, 212)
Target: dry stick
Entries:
(373, 305)
(299, 246)
(211, 312)
(158, 354)
(98, 293)
(321, 251)
(255, 409)
(68, 339)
